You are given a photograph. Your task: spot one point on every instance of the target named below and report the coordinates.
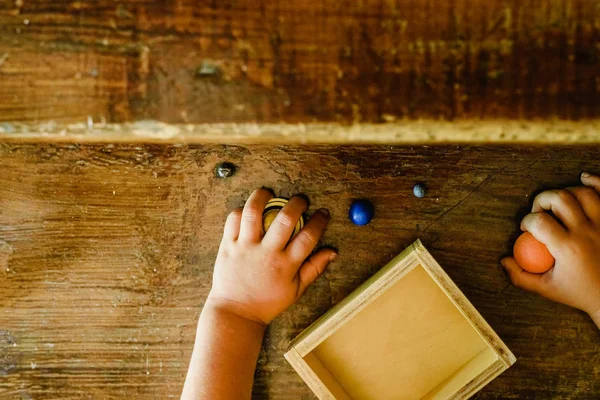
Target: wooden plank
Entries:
(48, 82)
(326, 60)
(404, 133)
(84, 227)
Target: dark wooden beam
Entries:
(271, 61)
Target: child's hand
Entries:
(258, 276)
(574, 242)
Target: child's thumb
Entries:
(523, 279)
(313, 267)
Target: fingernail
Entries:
(585, 175)
(324, 211)
(502, 264)
(332, 257)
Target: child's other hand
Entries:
(574, 242)
(258, 276)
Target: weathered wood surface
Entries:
(106, 256)
(420, 132)
(187, 61)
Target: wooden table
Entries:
(106, 249)
(106, 255)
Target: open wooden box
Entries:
(406, 333)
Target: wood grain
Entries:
(403, 133)
(188, 61)
(107, 252)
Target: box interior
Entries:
(411, 342)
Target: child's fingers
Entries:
(305, 242)
(591, 180)
(545, 229)
(251, 223)
(314, 267)
(522, 279)
(232, 224)
(563, 204)
(589, 200)
(281, 229)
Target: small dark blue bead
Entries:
(361, 212)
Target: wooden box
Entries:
(406, 333)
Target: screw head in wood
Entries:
(208, 68)
(225, 170)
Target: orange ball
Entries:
(532, 255)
